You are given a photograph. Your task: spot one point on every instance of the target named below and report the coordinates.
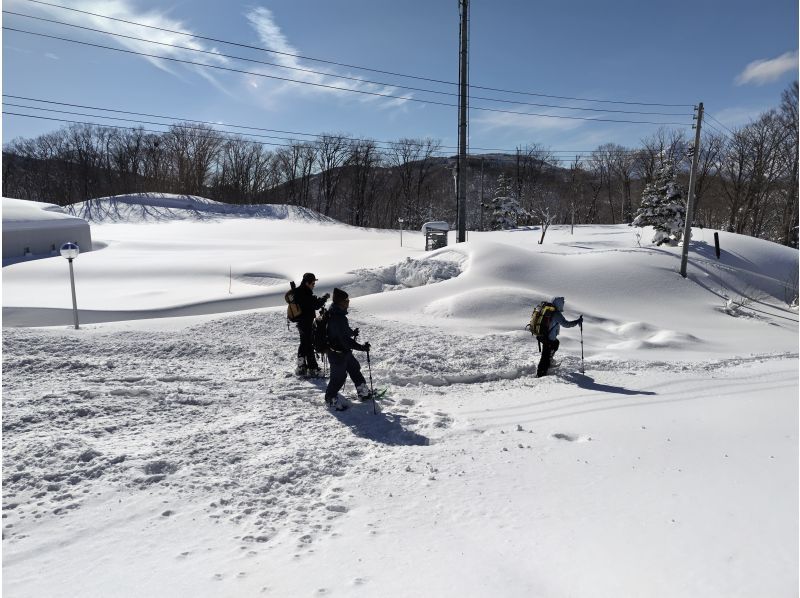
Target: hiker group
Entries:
(329, 334)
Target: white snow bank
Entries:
(160, 207)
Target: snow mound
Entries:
(409, 273)
(162, 207)
(485, 304)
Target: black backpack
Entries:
(320, 331)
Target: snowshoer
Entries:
(549, 340)
(341, 342)
(309, 304)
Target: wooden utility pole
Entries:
(461, 172)
(687, 227)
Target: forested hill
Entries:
(747, 182)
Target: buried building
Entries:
(33, 229)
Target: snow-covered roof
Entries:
(21, 213)
(435, 225)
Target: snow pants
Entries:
(548, 350)
(342, 364)
(306, 349)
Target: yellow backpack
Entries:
(293, 310)
(541, 319)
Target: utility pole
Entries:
(481, 192)
(461, 173)
(687, 227)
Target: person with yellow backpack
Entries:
(546, 322)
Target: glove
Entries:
(365, 347)
(355, 333)
(326, 296)
(580, 320)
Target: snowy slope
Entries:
(151, 454)
(160, 207)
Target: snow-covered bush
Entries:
(663, 206)
(506, 210)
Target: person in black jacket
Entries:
(341, 342)
(309, 304)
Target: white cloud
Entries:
(323, 81)
(492, 121)
(760, 72)
(123, 9)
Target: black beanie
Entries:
(339, 295)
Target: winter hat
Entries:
(308, 276)
(559, 303)
(339, 295)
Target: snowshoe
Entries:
(375, 395)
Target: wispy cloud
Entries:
(493, 121)
(760, 72)
(123, 9)
(323, 81)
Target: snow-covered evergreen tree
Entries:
(662, 205)
(506, 210)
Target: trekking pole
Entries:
(582, 370)
(371, 391)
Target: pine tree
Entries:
(505, 207)
(662, 205)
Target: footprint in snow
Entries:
(571, 437)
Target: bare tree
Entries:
(412, 160)
(332, 154)
(193, 149)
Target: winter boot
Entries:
(315, 373)
(339, 403)
(300, 370)
(363, 391)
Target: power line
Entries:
(384, 72)
(339, 89)
(212, 123)
(719, 123)
(178, 121)
(507, 155)
(225, 134)
(335, 76)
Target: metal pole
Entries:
(371, 390)
(481, 192)
(582, 370)
(462, 123)
(74, 300)
(687, 227)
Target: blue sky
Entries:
(735, 56)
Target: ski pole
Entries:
(371, 390)
(582, 370)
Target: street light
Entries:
(70, 251)
(400, 220)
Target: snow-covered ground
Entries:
(165, 449)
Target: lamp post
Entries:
(400, 220)
(70, 251)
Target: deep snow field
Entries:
(166, 449)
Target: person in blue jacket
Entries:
(341, 343)
(550, 340)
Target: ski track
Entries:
(235, 428)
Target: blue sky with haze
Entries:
(735, 56)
